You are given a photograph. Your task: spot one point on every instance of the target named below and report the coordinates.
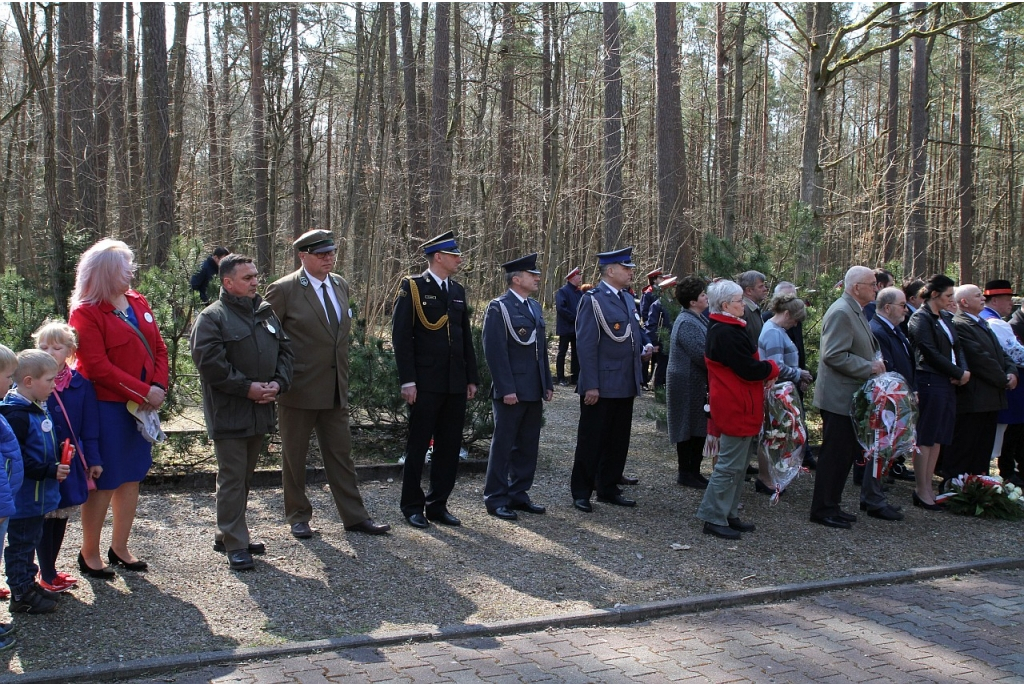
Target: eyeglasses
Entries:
(873, 284)
(325, 255)
(739, 301)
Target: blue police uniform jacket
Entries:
(517, 368)
(612, 368)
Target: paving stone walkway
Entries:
(959, 629)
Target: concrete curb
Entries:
(618, 615)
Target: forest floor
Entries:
(342, 583)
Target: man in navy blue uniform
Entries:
(567, 301)
(611, 343)
(437, 369)
(516, 352)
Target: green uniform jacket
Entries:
(235, 342)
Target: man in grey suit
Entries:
(754, 292)
(849, 356)
(312, 304)
(515, 347)
(611, 344)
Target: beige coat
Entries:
(321, 359)
(846, 352)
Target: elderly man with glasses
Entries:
(312, 304)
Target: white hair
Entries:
(721, 292)
(855, 273)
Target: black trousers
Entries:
(839, 449)
(660, 362)
(564, 343)
(1011, 461)
(690, 454)
(602, 442)
(439, 415)
(971, 451)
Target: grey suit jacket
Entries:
(321, 358)
(847, 350)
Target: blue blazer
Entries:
(896, 350)
(515, 368)
(613, 368)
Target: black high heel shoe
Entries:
(918, 502)
(105, 573)
(130, 565)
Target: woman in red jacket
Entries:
(736, 379)
(120, 350)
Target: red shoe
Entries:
(56, 586)
(66, 578)
(5, 593)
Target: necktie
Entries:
(444, 288)
(332, 313)
(622, 298)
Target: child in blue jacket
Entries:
(75, 415)
(11, 475)
(25, 410)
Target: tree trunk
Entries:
(227, 185)
(109, 104)
(80, 94)
(721, 118)
(730, 185)
(296, 128)
(612, 127)
(413, 144)
(156, 104)
(892, 113)
(966, 181)
(916, 240)
(261, 227)
(506, 108)
(214, 188)
(672, 224)
(132, 204)
(440, 164)
(65, 151)
(818, 17)
(179, 64)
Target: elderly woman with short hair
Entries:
(686, 382)
(736, 378)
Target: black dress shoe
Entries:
(301, 530)
(583, 505)
(810, 463)
(528, 506)
(760, 487)
(831, 521)
(254, 547)
(721, 531)
(617, 500)
(105, 573)
(417, 521)
(240, 560)
(692, 480)
(849, 518)
(886, 513)
(736, 524)
(445, 518)
(504, 513)
(137, 565)
(626, 480)
(752, 471)
(369, 527)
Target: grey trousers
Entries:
(236, 461)
(722, 497)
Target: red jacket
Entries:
(111, 354)
(736, 378)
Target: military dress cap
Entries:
(668, 282)
(315, 242)
(651, 275)
(623, 257)
(572, 274)
(442, 243)
(527, 264)
(998, 287)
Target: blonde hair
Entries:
(59, 332)
(33, 364)
(99, 269)
(8, 360)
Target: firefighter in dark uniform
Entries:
(438, 373)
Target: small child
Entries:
(75, 414)
(25, 410)
(11, 476)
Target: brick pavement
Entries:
(964, 628)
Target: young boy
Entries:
(25, 410)
(11, 475)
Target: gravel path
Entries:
(342, 583)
